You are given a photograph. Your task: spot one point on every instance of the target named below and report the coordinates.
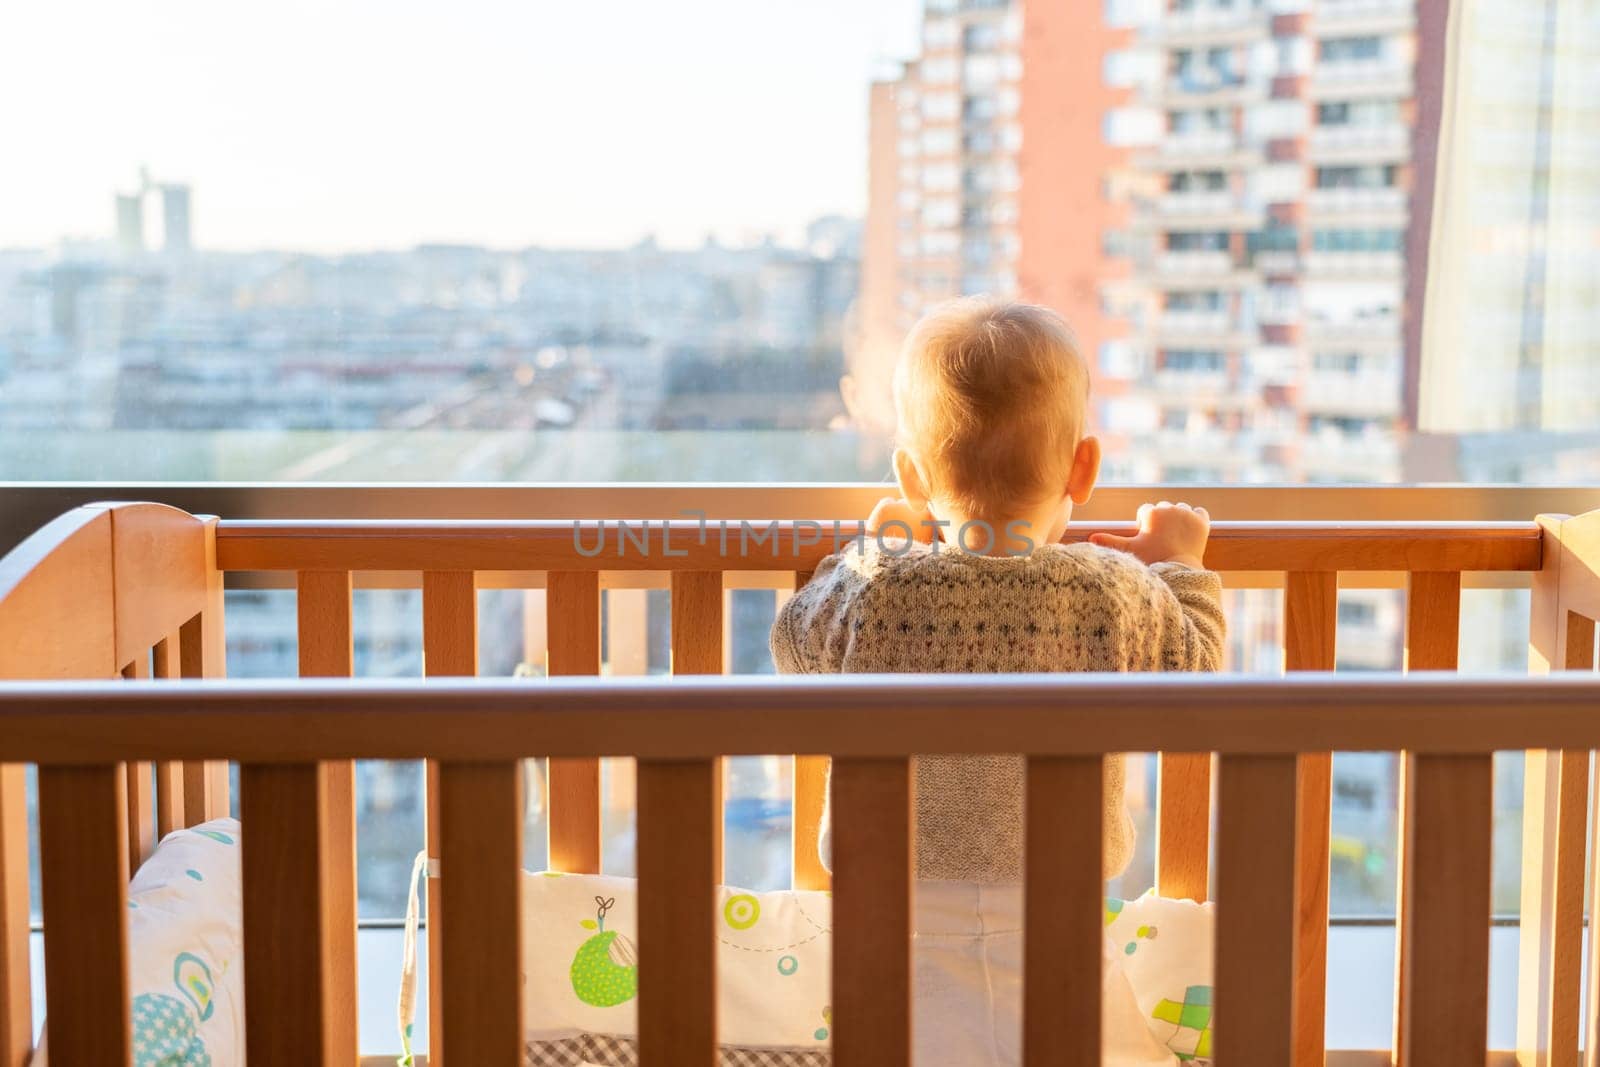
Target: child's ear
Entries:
(913, 490)
(1085, 470)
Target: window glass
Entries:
(362, 275)
(1347, 49)
(496, 242)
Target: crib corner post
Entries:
(1554, 827)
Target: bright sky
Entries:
(331, 125)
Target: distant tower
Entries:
(175, 219)
(130, 224)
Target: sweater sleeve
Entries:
(812, 629)
(1194, 643)
(809, 636)
(1117, 829)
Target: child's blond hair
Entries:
(991, 398)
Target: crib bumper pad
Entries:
(580, 976)
(185, 952)
(580, 970)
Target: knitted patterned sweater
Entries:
(1063, 608)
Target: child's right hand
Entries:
(1168, 533)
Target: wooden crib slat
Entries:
(480, 836)
(1552, 996)
(141, 813)
(1256, 913)
(1062, 925)
(696, 622)
(290, 1003)
(326, 645)
(1433, 641)
(83, 864)
(1183, 825)
(205, 784)
(872, 868)
(1445, 925)
(205, 791)
(140, 785)
(1433, 620)
(449, 624)
(169, 773)
(678, 816)
(449, 648)
(1310, 619)
(697, 608)
(572, 600)
(322, 607)
(16, 987)
(810, 791)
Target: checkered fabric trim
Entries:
(624, 1052)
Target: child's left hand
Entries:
(893, 509)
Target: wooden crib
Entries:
(118, 591)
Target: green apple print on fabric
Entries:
(605, 972)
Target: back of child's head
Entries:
(991, 398)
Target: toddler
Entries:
(964, 572)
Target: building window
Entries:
(1351, 49)
(982, 37)
(1357, 240)
(1198, 181)
(1275, 238)
(1198, 241)
(1358, 113)
(1342, 425)
(981, 142)
(1365, 176)
(1196, 300)
(1191, 361)
(1357, 613)
(1200, 120)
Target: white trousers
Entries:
(967, 962)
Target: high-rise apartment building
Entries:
(1229, 199)
(177, 236)
(177, 233)
(1220, 195)
(1268, 178)
(942, 215)
(130, 224)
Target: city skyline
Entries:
(515, 138)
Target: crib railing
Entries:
(89, 595)
(701, 559)
(80, 734)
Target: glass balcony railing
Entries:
(1356, 264)
(1356, 199)
(1209, 263)
(1387, 137)
(1199, 142)
(1205, 203)
(1342, 12)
